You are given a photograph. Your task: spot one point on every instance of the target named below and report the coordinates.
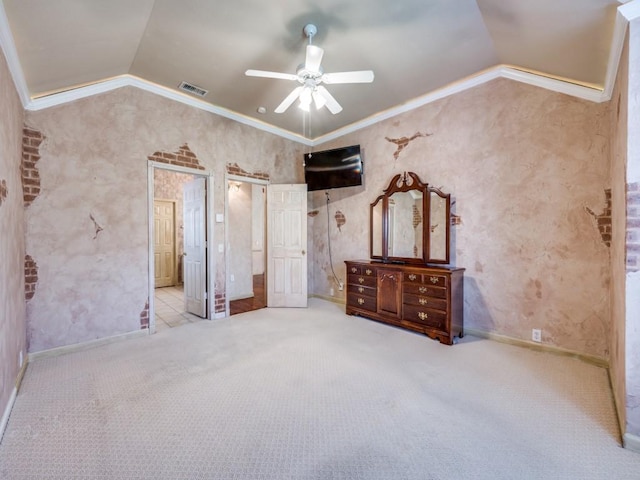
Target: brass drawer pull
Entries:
(354, 269)
(361, 289)
(361, 301)
(423, 301)
(412, 277)
(423, 289)
(422, 315)
(361, 279)
(434, 279)
(368, 272)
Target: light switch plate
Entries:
(219, 217)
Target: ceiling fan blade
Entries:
(332, 104)
(286, 103)
(361, 76)
(265, 74)
(314, 58)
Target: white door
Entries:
(287, 245)
(195, 251)
(163, 243)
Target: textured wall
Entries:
(94, 162)
(632, 332)
(618, 113)
(527, 169)
(240, 228)
(12, 252)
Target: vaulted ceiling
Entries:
(414, 47)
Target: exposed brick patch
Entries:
(183, 157)
(313, 213)
(30, 277)
(402, 142)
(31, 140)
(340, 219)
(144, 316)
(234, 169)
(220, 302)
(417, 216)
(3, 191)
(633, 227)
(604, 219)
(456, 219)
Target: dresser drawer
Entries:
(425, 316)
(433, 280)
(424, 301)
(360, 290)
(424, 290)
(363, 302)
(366, 270)
(363, 280)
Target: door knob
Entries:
(303, 252)
(184, 254)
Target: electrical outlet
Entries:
(331, 292)
(536, 335)
(233, 277)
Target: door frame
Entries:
(208, 175)
(238, 178)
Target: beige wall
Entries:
(618, 112)
(632, 331)
(12, 306)
(94, 161)
(527, 169)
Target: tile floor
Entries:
(169, 306)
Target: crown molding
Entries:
(11, 55)
(84, 91)
(629, 10)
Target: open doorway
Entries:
(178, 228)
(246, 244)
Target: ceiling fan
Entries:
(311, 76)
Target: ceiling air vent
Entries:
(190, 88)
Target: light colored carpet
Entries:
(312, 394)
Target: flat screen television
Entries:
(337, 168)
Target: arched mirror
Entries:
(410, 222)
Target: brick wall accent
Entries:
(183, 157)
(30, 277)
(456, 220)
(31, 140)
(234, 169)
(3, 191)
(603, 221)
(144, 316)
(220, 302)
(633, 227)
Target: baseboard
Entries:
(78, 347)
(339, 301)
(631, 442)
(12, 398)
(600, 362)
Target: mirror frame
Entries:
(407, 182)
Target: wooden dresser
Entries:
(422, 298)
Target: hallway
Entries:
(169, 308)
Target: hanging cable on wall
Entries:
(335, 277)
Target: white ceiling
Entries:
(414, 47)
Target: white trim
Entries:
(593, 360)
(628, 11)
(210, 220)
(11, 54)
(78, 347)
(58, 98)
(7, 412)
(631, 442)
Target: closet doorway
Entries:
(246, 244)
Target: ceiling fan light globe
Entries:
(305, 107)
(305, 97)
